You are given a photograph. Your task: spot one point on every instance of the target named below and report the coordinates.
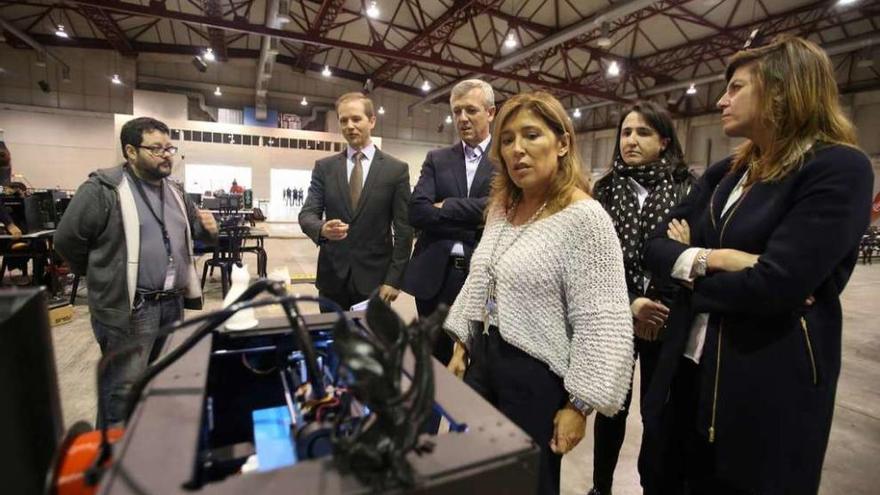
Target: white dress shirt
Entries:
(472, 157)
(369, 152)
(682, 271)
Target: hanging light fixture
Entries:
(614, 69)
(604, 41)
(381, 110)
(510, 42)
(449, 119)
(209, 55)
(373, 10)
(326, 72)
(60, 32)
(577, 113)
(692, 90)
(116, 79)
(217, 92)
(426, 86)
(304, 102)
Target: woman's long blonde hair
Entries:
(569, 176)
(798, 105)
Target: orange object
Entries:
(77, 458)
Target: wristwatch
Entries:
(701, 263)
(580, 405)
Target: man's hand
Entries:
(679, 230)
(14, 231)
(439, 205)
(388, 294)
(568, 429)
(334, 230)
(208, 222)
(458, 363)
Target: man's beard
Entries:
(157, 173)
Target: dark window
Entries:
(218, 138)
(187, 135)
(246, 140)
(337, 146)
(303, 145)
(175, 134)
(237, 138)
(255, 140)
(197, 136)
(285, 143)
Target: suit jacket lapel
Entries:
(376, 167)
(459, 171)
(484, 172)
(341, 173)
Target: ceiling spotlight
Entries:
(510, 42)
(426, 86)
(209, 55)
(604, 41)
(304, 102)
(116, 79)
(373, 10)
(614, 69)
(217, 92)
(60, 32)
(381, 110)
(326, 72)
(577, 113)
(846, 2)
(449, 119)
(692, 90)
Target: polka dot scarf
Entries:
(634, 226)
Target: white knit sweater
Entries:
(561, 297)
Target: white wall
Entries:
(412, 152)
(162, 106)
(58, 148)
(89, 87)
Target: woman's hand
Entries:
(458, 363)
(648, 311)
(730, 260)
(679, 230)
(568, 429)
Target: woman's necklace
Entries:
(491, 307)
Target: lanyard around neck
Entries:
(160, 219)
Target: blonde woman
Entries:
(767, 241)
(544, 315)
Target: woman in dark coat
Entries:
(767, 239)
(647, 178)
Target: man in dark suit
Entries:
(447, 206)
(354, 199)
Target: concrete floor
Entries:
(853, 452)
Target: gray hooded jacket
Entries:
(99, 237)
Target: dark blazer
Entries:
(444, 178)
(769, 368)
(373, 252)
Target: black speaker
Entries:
(44, 85)
(199, 64)
(31, 423)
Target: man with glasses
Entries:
(130, 231)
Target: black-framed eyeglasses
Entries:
(160, 150)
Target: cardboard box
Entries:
(59, 315)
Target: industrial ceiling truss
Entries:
(593, 54)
